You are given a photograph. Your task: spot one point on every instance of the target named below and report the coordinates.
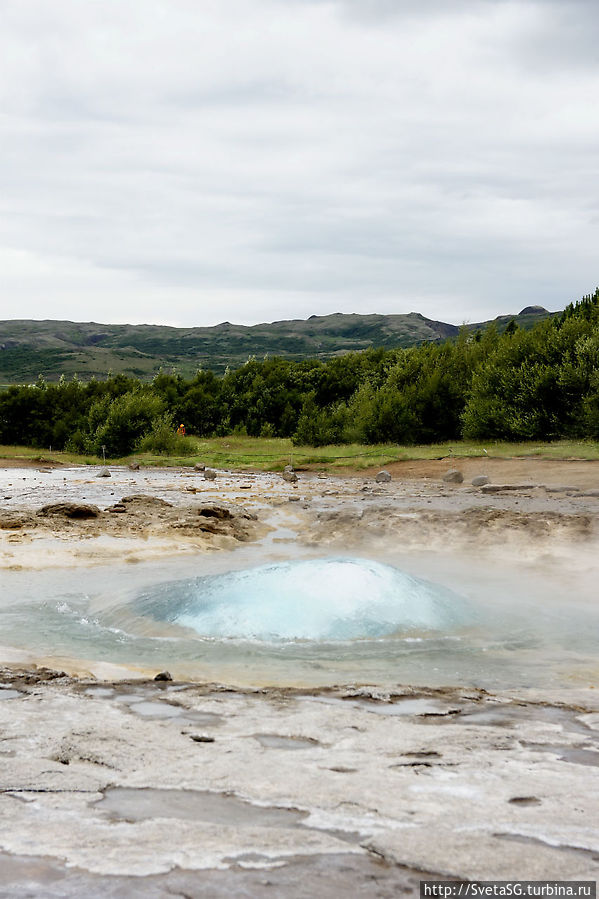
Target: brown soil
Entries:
(40, 462)
(575, 473)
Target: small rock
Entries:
(480, 480)
(289, 476)
(164, 675)
(383, 477)
(134, 466)
(453, 476)
(118, 507)
(289, 468)
(592, 492)
(200, 738)
(209, 474)
(103, 473)
(199, 466)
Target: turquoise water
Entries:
(309, 621)
(319, 600)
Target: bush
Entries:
(164, 440)
(128, 418)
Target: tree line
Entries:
(540, 384)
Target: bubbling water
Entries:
(317, 600)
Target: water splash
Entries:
(323, 599)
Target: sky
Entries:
(188, 162)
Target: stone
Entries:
(289, 476)
(103, 473)
(70, 510)
(163, 676)
(453, 476)
(209, 474)
(289, 468)
(383, 477)
(480, 480)
(199, 466)
(134, 466)
(201, 738)
(215, 511)
(118, 507)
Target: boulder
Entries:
(383, 477)
(103, 473)
(199, 466)
(134, 466)
(70, 510)
(209, 474)
(480, 480)
(289, 468)
(289, 476)
(453, 476)
(163, 675)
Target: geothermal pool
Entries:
(240, 619)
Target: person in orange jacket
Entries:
(181, 430)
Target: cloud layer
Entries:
(250, 160)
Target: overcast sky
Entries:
(193, 161)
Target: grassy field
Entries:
(272, 454)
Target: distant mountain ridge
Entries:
(53, 348)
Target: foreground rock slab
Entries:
(454, 782)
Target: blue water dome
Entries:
(320, 599)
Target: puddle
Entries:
(10, 694)
(129, 698)
(512, 715)
(274, 741)
(130, 804)
(568, 754)
(149, 709)
(422, 707)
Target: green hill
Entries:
(53, 348)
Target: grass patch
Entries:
(272, 454)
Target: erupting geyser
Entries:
(322, 599)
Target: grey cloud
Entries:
(292, 158)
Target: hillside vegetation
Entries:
(539, 384)
(28, 348)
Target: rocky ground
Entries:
(71, 516)
(156, 788)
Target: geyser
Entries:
(322, 600)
